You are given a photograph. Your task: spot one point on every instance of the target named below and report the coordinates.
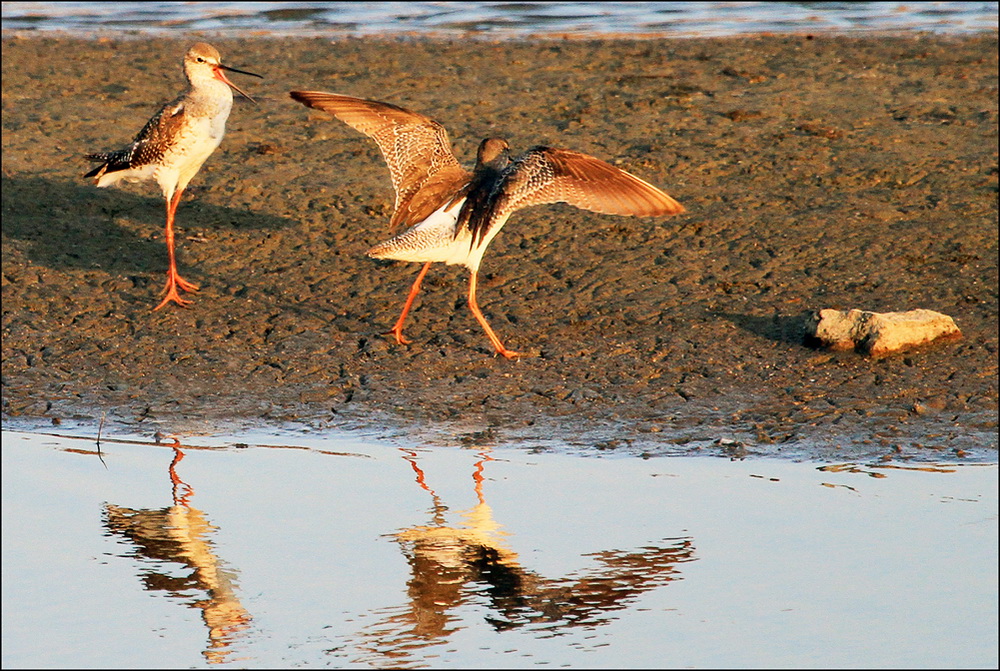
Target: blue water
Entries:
(496, 19)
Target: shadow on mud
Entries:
(70, 225)
(779, 328)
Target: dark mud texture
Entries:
(826, 172)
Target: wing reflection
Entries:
(469, 563)
(180, 534)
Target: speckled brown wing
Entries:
(148, 147)
(422, 166)
(545, 175)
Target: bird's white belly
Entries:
(433, 239)
(197, 141)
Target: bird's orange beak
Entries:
(221, 76)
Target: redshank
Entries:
(454, 214)
(173, 145)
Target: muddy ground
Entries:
(827, 172)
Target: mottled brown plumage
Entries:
(156, 139)
(454, 214)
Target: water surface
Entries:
(326, 549)
(500, 19)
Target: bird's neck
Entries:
(480, 195)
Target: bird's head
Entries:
(494, 152)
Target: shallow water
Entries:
(326, 549)
(507, 19)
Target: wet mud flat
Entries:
(817, 173)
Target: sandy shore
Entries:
(816, 172)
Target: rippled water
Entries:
(507, 19)
(334, 550)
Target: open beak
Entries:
(220, 75)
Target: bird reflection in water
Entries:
(180, 534)
(470, 563)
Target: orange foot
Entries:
(398, 333)
(172, 295)
(184, 285)
(175, 282)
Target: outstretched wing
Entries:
(421, 163)
(545, 175)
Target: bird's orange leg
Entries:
(474, 306)
(174, 280)
(397, 330)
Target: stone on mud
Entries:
(879, 333)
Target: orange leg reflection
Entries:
(182, 491)
(411, 457)
(439, 508)
(478, 478)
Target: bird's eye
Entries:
(201, 60)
